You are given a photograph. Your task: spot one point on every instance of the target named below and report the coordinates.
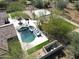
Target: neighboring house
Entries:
(41, 14)
(6, 31)
(52, 49)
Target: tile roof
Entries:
(6, 31)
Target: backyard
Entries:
(54, 27)
(15, 51)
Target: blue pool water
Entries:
(27, 36)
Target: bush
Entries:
(61, 4)
(74, 39)
(3, 4)
(22, 1)
(19, 14)
(15, 6)
(57, 11)
(72, 1)
(77, 5)
(40, 3)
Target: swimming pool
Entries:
(27, 36)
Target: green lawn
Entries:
(30, 51)
(18, 14)
(15, 51)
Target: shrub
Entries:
(22, 1)
(19, 14)
(41, 3)
(38, 3)
(3, 4)
(61, 4)
(72, 1)
(57, 11)
(74, 39)
(77, 5)
(15, 6)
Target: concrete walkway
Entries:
(77, 30)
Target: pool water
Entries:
(27, 36)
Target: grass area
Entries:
(15, 51)
(58, 21)
(19, 14)
(64, 21)
(30, 51)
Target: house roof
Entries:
(52, 49)
(3, 17)
(6, 31)
(41, 12)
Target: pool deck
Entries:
(38, 40)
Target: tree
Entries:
(38, 3)
(41, 3)
(15, 6)
(22, 1)
(72, 1)
(61, 4)
(77, 5)
(3, 4)
(74, 37)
